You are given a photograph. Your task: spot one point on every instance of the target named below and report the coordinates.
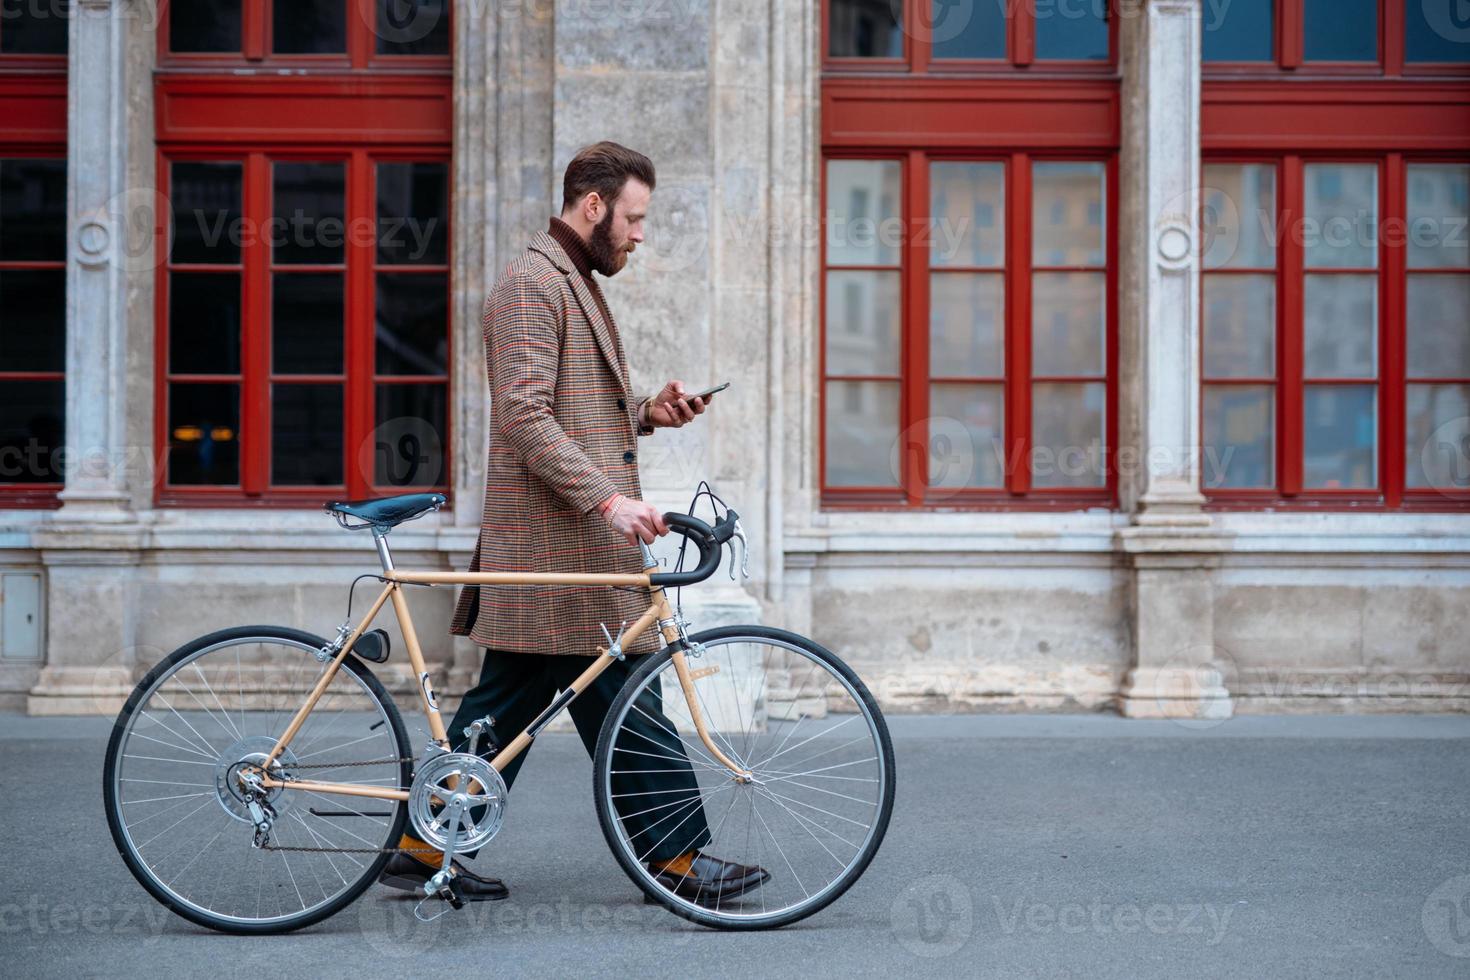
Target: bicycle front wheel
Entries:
(175, 805)
(802, 818)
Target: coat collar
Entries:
(551, 248)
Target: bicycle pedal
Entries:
(450, 895)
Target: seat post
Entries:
(380, 538)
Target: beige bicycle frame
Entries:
(657, 612)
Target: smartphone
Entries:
(707, 392)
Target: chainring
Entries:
(436, 784)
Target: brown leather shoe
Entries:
(707, 880)
(403, 871)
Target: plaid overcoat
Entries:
(563, 438)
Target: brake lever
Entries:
(739, 532)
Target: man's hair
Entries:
(603, 167)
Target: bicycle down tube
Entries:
(658, 611)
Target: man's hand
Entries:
(634, 519)
(671, 408)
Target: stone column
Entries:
(1170, 544)
(91, 544)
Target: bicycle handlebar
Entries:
(708, 539)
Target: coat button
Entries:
(622, 404)
(628, 456)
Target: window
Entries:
(1336, 321)
(303, 307)
(946, 35)
(982, 337)
(33, 242)
(1389, 37)
(358, 33)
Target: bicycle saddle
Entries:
(384, 512)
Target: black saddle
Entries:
(384, 512)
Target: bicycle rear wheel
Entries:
(175, 810)
(814, 809)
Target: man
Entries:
(562, 494)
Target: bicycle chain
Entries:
(349, 850)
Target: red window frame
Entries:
(1289, 383)
(1289, 49)
(1020, 46)
(360, 109)
(33, 125)
(917, 111)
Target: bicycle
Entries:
(258, 778)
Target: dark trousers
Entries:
(654, 790)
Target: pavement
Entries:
(1021, 846)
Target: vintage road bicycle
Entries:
(259, 778)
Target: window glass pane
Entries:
(862, 433)
(306, 323)
(1239, 422)
(1341, 30)
(204, 25)
(1072, 30)
(204, 323)
(1239, 219)
(1439, 326)
(32, 320)
(34, 26)
(1068, 434)
(1437, 447)
(32, 425)
(1340, 230)
(1241, 30)
(862, 322)
(1438, 207)
(967, 207)
(966, 325)
(33, 210)
(204, 434)
(413, 26)
(306, 435)
(1067, 208)
(1340, 326)
(205, 198)
(1240, 326)
(1068, 323)
(864, 29)
(412, 323)
(1436, 30)
(966, 436)
(968, 28)
(863, 208)
(1339, 441)
(408, 442)
(413, 213)
(309, 27)
(309, 224)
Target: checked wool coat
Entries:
(563, 438)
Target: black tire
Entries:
(608, 819)
(109, 782)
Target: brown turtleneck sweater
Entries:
(581, 257)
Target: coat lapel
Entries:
(548, 246)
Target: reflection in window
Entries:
(864, 29)
(418, 27)
(1340, 30)
(309, 26)
(34, 26)
(1076, 30)
(211, 26)
(1436, 31)
(1241, 30)
(968, 29)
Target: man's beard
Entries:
(607, 258)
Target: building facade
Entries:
(1084, 353)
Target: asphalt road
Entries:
(1020, 846)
